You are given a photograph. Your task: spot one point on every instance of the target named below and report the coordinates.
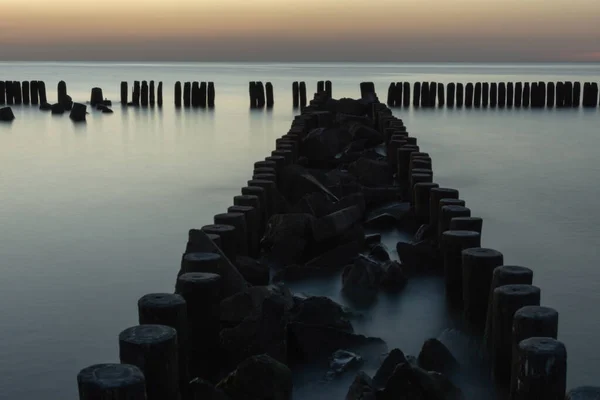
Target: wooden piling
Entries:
(269, 94)
(477, 95)
(302, 90)
(188, 93)
(136, 93)
(238, 221)
(518, 94)
(455, 208)
(417, 94)
(153, 349)
(151, 94)
(170, 310)
(459, 95)
(2, 93)
(436, 195)
(560, 95)
(568, 93)
(124, 93)
(260, 91)
(328, 89)
(501, 101)
(453, 243)
(228, 236)
(367, 89)
(469, 95)
(391, 96)
(203, 94)
(506, 301)
(406, 95)
(253, 94)
(526, 95)
(542, 94)
(9, 93)
(534, 95)
(478, 265)
(510, 94)
(34, 89)
(42, 92)
(467, 224)
(25, 89)
(295, 94)
(493, 94)
(397, 94)
(421, 200)
(111, 382)
(576, 94)
(542, 369)
(440, 95)
(528, 322)
(18, 93)
(96, 97)
(320, 86)
(450, 94)
(485, 94)
(550, 95)
(425, 96)
(178, 94)
(159, 94)
(144, 94)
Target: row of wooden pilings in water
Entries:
(176, 330)
(27, 92)
(143, 94)
(534, 95)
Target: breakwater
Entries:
(297, 246)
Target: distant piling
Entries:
(136, 93)
(187, 94)
(295, 94)
(2, 93)
(124, 93)
(210, 94)
(450, 95)
(440, 95)
(501, 94)
(25, 92)
(477, 95)
(459, 95)
(391, 96)
(144, 94)
(469, 95)
(493, 95)
(406, 94)
(177, 94)
(526, 95)
(159, 94)
(329, 88)
(195, 94)
(152, 97)
(550, 95)
(260, 91)
(320, 86)
(485, 94)
(417, 94)
(560, 95)
(576, 94)
(34, 89)
(18, 94)
(42, 92)
(510, 94)
(518, 94)
(203, 94)
(568, 94)
(302, 90)
(269, 94)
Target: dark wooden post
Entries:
(260, 90)
(391, 97)
(124, 93)
(502, 94)
(453, 244)
(485, 94)
(542, 89)
(440, 94)
(450, 94)
(3, 93)
(550, 97)
(477, 97)
(469, 95)
(406, 95)
(210, 94)
(302, 90)
(459, 95)
(526, 95)
(136, 93)
(328, 89)
(34, 87)
(159, 94)
(560, 95)
(417, 94)
(203, 94)
(518, 94)
(535, 92)
(10, 100)
(269, 90)
(576, 94)
(252, 93)
(111, 382)
(152, 96)
(17, 92)
(493, 94)
(510, 94)
(568, 91)
(25, 89)
(188, 94)
(42, 92)
(144, 94)
(177, 94)
(425, 94)
(320, 86)
(295, 94)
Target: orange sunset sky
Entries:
(310, 30)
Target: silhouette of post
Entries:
(269, 90)
(568, 94)
(477, 98)
(417, 94)
(493, 94)
(510, 94)
(159, 94)
(526, 94)
(406, 95)
(550, 96)
(136, 93)
(501, 94)
(152, 95)
(62, 91)
(295, 94)
(398, 94)
(391, 97)
(34, 88)
(302, 90)
(42, 92)
(203, 94)
(187, 94)
(535, 92)
(124, 93)
(17, 92)
(195, 94)
(96, 97)
(450, 94)
(432, 94)
(576, 94)
(424, 94)
(459, 95)
(440, 95)
(260, 91)
(3, 93)
(560, 95)
(177, 94)
(210, 94)
(328, 88)
(518, 94)
(469, 95)
(320, 86)
(144, 94)
(485, 94)
(25, 89)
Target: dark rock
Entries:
(448, 390)
(287, 235)
(361, 388)
(321, 145)
(339, 256)
(342, 361)
(307, 342)
(258, 378)
(424, 232)
(361, 280)
(388, 215)
(297, 181)
(321, 311)
(6, 114)
(360, 131)
(255, 272)
(371, 172)
(336, 223)
(78, 112)
(402, 384)
(379, 252)
(416, 256)
(67, 102)
(394, 276)
(434, 356)
(58, 109)
(236, 308)
(45, 107)
(107, 110)
(386, 370)
(200, 389)
(372, 239)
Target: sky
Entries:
(301, 30)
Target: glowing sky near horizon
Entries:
(312, 30)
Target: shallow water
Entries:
(94, 216)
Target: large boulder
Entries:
(322, 311)
(255, 272)
(6, 114)
(287, 236)
(371, 172)
(321, 145)
(342, 361)
(361, 280)
(361, 388)
(435, 356)
(394, 276)
(336, 223)
(236, 308)
(259, 377)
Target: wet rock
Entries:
(342, 361)
(322, 311)
(380, 196)
(57, 109)
(446, 388)
(379, 252)
(372, 239)
(360, 131)
(424, 232)
(336, 223)
(287, 235)
(339, 256)
(67, 102)
(78, 112)
(306, 342)
(258, 378)
(371, 172)
(402, 384)
(388, 215)
(6, 114)
(316, 204)
(394, 276)
(434, 356)
(386, 370)
(321, 145)
(361, 280)
(200, 389)
(254, 271)
(45, 107)
(417, 256)
(361, 388)
(297, 181)
(236, 308)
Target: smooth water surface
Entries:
(96, 215)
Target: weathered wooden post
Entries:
(421, 199)
(441, 96)
(459, 95)
(478, 265)
(10, 100)
(493, 94)
(194, 94)
(453, 243)
(450, 209)
(417, 94)
(269, 90)
(328, 89)
(144, 94)
(34, 87)
(518, 94)
(450, 94)
(568, 93)
(124, 93)
(542, 369)
(203, 94)
(159, 94)
(136, 93)
(96, 97)
(151, 94)
(542, 88)
(425, 94)
(391, 96)
(432, 94)
(178, 94)
(576, 94)
(3, 93)
(260, 91)
(485, 94)
(16, 91)
(467, 224)
(295, 95)
(510, 94)
(526, 95)
(560, 95)
(477, 95)
(261, 193)
(302, 90)
(153, 349)
(397, 95)
(534, 94)
(111, 382)
(528, 322)
(237, 220)
(202, 293)
(25, 89)
(502, 94)
(252, 93)
(406, 95)
(42, 92)
(469, 95)
(436, 195)
(507, 300)
(169, 310)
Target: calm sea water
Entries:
(94, 216)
